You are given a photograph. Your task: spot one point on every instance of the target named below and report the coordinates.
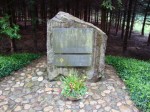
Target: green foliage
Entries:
(14, 62)
(136, 75)
(73, 85)
(108, 4)
(7, 29)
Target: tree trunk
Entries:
(103, 20)
(127, 27)
(145, 17)
(117, 25)
(148, 42)
(133, 18)
(124, 19)
(12, 45)
(109, 27)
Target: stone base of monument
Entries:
(74, 44)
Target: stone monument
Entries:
(74, 44)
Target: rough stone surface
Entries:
(65, 20)
(44, 96)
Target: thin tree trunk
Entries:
(148, 42)
(133, 18)
(12, 45)
(103, 20)
(127, 27)
(117, 26)
(109, 27)
(124, 19)
(145, 17)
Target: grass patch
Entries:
(14, 62)
(136, 75)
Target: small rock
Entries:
(22, 84)
(67, 110)
(82, 110)
(28, 96)
(68, 102)
(5, 107)
(68, 106)
(3, 103)
(34, 78)
(47, 109)
(81, 105)
(27, 106)
(94, 110)
(101, 101)
(119, 103)
(107, 91)
(59, 83)
(39, 73)
(18, 108)
(98, 106)
(22, 74)
(18, 100)
(96, 97)
(2, 97)
(107, 108)
(103, 94)
(90, 93)
(129, 102)
(40, 91)
(135, 109)
(113, 110)
(7, 88)
(60, 102)
(111, 88)
(1, 92)
(93, 102)
(56, 89)
(38, 108)
(48, 89)
(40, 79)
(125, 108)
(29, 84)
(93, 84)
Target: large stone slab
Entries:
(72, 60)
(72, 40)
(63, 38)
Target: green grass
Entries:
(136, 75)
(14, 62)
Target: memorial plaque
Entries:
(72, 40)
(73, 44)
(73, 60)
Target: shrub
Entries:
(73, 85)
(136, 75)
(14, 62)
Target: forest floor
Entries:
(137, 45)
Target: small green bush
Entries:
(14, 62)
(136, 75)
(73, 85)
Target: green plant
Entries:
(136, 75)
(73, 85)
(14, 62)
(9, 30)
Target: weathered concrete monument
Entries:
(74, 44)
